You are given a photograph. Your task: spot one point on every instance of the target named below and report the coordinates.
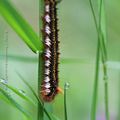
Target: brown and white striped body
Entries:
(51, 54)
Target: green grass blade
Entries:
(35, 95)
(93, 14)
(65, 100)
(2, 97)
(101, 30)
(95, 89)
(20, 25)
(20, 94)
(15, 104)
(40, 78)
(104, 56)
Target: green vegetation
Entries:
(89, 35)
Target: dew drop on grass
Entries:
(22, 92)
(3, 81)
(67, 85)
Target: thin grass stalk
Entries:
(93, 14)
(95, 90)
(65, 101)
(98, 29)
(40, 65)
(104, 58)
(101, 40)
(40, 78)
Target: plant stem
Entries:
(40, 78)
(104, 56)
(40, 64)
(65, 100)
(101, 40)
(95, 91)
(93, 14)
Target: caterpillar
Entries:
(49, 85)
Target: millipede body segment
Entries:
(49, 87)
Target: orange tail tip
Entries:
(60, 90)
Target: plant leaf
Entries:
(2, 97)
(20, 94)
(14, 103)
(20, 25)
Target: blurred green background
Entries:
(78, 40)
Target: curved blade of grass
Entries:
(15, 104)
(20, 94)
(2, 97)
(35, 95)
(95, 88)
(20, 25)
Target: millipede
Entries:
(49, 85)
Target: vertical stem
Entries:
(103, 40)
(95, 91)
(40, 63)
(65, 101)
(106, 100)
(102, 49)
(40, 78)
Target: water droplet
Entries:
(22, 92)
(3, 81)
(67, 85)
